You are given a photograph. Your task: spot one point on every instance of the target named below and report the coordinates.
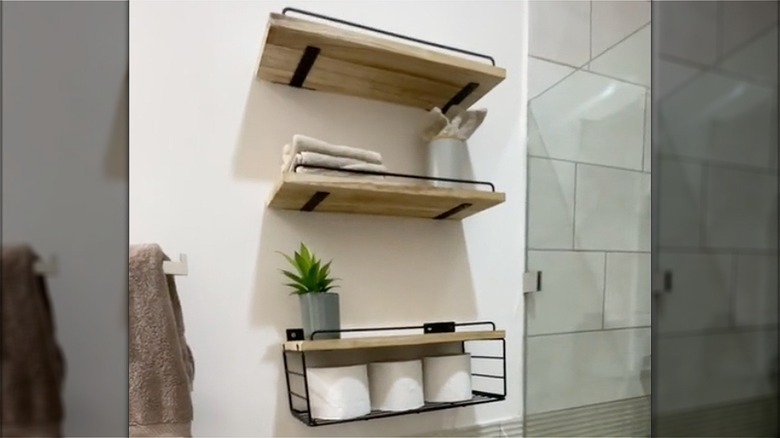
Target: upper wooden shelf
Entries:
(322, 57)
(392, 341)
(306, 192)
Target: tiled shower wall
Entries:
(718, 214)
(589, 208)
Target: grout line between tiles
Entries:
(717, 331)
(617, 79)
(614, 251)
(607, 166)
(705, 251)
(719, 27)
(553, 61)
(733, 290)
(702, 66)
(583, 68)
(604, 293)
(590, 35)
(612, 329)
(574, 210)
(621, 41)
(645, 129)
(574, 70)
(703, 207)
(665, 156)
(702, 69)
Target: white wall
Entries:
(206, 139)
(65, 187)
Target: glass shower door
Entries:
(587, 358)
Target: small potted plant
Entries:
(313, 284)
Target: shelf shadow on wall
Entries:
(394, 272)
(274, 113)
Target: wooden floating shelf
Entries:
(322, 57)
(305, 192)
(392, 341)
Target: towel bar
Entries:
(176, 268)
(48, 267)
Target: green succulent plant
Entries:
(311, 275)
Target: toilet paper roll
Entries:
(447, 378)
(396, 386)
(339, 393)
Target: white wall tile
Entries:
(585, 368)
(699, 281)
(612, 209)
(627, 296)
(550, 203)
(615, 20)
(741, 209)
(670, 75)
(746, 136)
(757, 60)
(744, 20)
(755, 291)
(723, 106)
(688, 30)
(560, 31)
(680, 199)
(629, 60)
(592, 119)
(544, 74)
(707, 369)
(572, 292)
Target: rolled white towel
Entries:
(310, 171)
(303, 143)
(324, 160)
(364, 166)
(355, 166)
(367, 166)
(317, 159)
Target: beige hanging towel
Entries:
(33, 366)
(161, 364)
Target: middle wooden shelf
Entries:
(305, 192)
(392, 341)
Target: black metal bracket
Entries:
(295, 334)
(453, 211)
(387, 33)
(460, 96)
(314, 201)
(304, 66)
(439, 327)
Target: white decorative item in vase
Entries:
(447, 378)
(396, 386)
(339, 393)
(446, 135)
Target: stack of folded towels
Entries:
(314, 152)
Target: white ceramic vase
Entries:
(448, 157)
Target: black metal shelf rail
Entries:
(311, 53)
(320, 196)
(479, 397)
